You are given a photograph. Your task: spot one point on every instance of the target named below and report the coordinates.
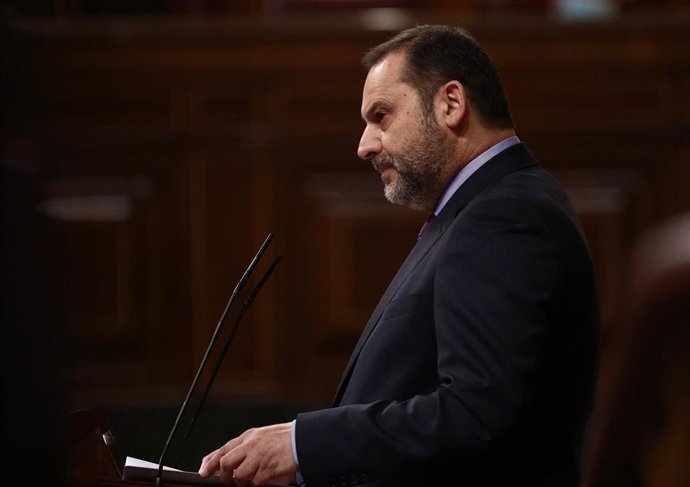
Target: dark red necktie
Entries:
(425, 226)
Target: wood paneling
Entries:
(168, 149)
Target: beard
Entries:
(419, 165)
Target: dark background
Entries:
(148, 148)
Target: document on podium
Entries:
(136, 469)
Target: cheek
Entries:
(393, 142)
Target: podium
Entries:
(88, 446)
(89, 459)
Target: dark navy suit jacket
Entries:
(477, 367)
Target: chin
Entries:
(391, 193)
(395, 198)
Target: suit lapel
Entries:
(415, 256)
(512, 159)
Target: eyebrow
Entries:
(367, 115)
(373, 108)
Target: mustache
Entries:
(382, 162)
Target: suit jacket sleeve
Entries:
(497, 282)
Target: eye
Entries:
(379, 116)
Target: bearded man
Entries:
(477, 366)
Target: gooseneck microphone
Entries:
(229, 340)
(240, 284)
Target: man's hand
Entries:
(255, 457)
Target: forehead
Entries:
(383, 81)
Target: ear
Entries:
(453, 103)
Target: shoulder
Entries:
(528, 196)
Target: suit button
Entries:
(354, 479)
(364, 478)
(343, 481)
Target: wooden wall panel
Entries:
(222, 221)
(613, 100)
(126, 289)
(356, 233)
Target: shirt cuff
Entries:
(298, 476)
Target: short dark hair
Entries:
(437, 54)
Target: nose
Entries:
(369, 144)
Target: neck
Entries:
(471, 146)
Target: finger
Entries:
(229, 462)
(205, 467)
(211, 462)
(246, 471)
(242, 482)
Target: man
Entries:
(477, 366)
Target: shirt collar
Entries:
(467, 171)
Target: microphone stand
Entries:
(231, 337)
(158, 482)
